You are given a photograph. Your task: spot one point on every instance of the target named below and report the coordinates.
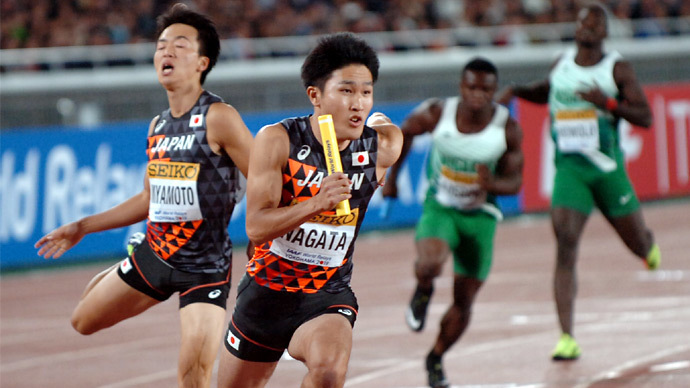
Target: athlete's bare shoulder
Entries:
(153, 123)
(226, 130)
(424, 117)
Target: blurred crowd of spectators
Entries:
(51, 23)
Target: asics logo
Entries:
(214, 294)
(159, 126)
(347, 312)
(304, 152)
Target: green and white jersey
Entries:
(453, 180)
(578, 127)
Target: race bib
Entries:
(459, 190)
(324, 240)
(577, 130)
(174, 196)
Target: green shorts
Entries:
(580, 186)
(470, 236)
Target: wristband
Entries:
(611, 104)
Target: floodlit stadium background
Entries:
(72, 128)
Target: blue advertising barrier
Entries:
(55, 175)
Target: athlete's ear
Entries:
(203, 63)
(314, 95)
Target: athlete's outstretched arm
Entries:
(508, 177)
(266, 220)
(226, 130)
(536, 92)
(129, 212)
(421, 120)
(390, 141)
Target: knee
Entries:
(428, 268)
(462, 308)
(195, 374)
(328, 374)
(566, 238)
(82, 325)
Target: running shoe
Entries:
(653, 260)
(135, 240)
(434, 370)
(566, 349)
(415, 315)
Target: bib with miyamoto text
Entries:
(174, 196)
(576, 130)
(323, 240)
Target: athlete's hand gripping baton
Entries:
(330, 149)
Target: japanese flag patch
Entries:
(233, 341)
(360, 158)
(125, 265)
(196, 121)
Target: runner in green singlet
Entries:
(588, 92)
(475, 155)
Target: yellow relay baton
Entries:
(333, 163)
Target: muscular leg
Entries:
(457, 318)
(567, 225)
(633, 232)
(202, 329)
(236, 373)
(96, 279)
(106, 301)
(324, 345)
(432, 253)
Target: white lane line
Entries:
(617, 371)
(602, 320)
(467, 351)
(669, 366)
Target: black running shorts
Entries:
(264, 320)
(146, 272)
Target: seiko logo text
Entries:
(173, 170)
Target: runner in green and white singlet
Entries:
(475, 155)
(588, 92)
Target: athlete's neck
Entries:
(182, 101)
(473, 120)
(588, 56)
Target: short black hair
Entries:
(334, 52)
(480, 64)
(209, 42)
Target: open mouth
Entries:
(355, 120)
(167, 68)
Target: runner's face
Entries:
(177, 56)
(477, 88)
(590, 28)
(348, 96)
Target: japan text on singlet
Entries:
(193, 192)
(451, 166)
(578, 127)
(317, 255)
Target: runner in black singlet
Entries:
(296, 293)
(197, 149)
